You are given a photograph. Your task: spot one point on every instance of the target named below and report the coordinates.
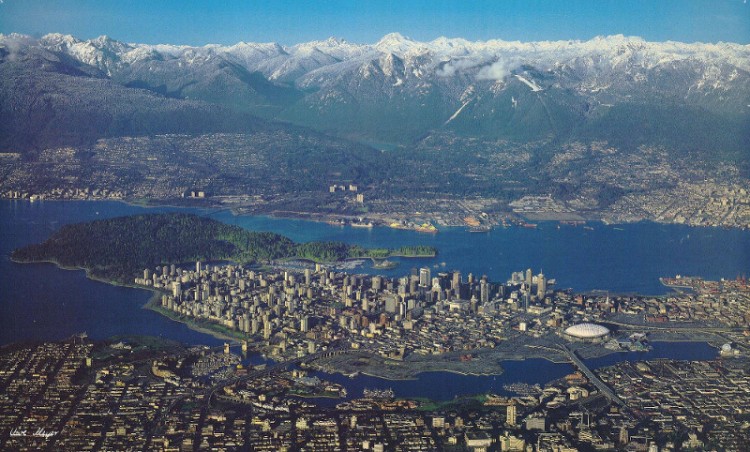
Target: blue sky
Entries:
(196, 22)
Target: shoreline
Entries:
(317, 217)
(151, 304)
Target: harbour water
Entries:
(42, 302)
(623, 258)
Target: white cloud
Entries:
(452, 66)
(496, 71)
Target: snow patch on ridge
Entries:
(534, 87)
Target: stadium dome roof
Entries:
(587, 330)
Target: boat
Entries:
(529, 225)
(480, 229)
(357, 224)
(385, 265)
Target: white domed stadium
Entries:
(587, 332)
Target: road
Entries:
(593, 378)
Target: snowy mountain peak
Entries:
(58, 39)
(395, 42)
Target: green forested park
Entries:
(118, 249)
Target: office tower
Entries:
(391, 304)
(456, 283)
(413, 286)
(424, 277)
(377, 282)
(541, 286)
(198, 267)
(529, 278)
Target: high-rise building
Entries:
(541, 286)
(424, 277)
(198, 267)
(484, 291)
(377, 282)
(391, 304)
(456, 283)
(176, 289)
(529, 277)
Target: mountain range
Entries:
(621, 89)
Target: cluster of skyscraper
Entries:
(320, 305)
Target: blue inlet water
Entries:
(622, 258)
(42, 302)
(446, 385)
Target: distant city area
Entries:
(497, 186)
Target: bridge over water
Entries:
(593, 378)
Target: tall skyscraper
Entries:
(541, 286)
(510, 413)
(529, 277)
(424, 277)
(377, 282)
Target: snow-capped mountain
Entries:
(399, 89)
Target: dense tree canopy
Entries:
(119, 248)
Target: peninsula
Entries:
(114, 249)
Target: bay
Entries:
(626, 258)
